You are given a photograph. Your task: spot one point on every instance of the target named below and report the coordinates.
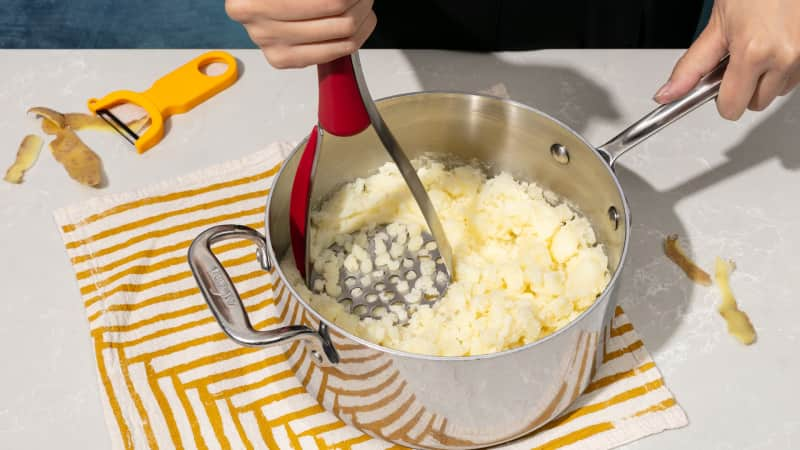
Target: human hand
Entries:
(298, 33)
(763, 39)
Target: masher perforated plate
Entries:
(373, 295)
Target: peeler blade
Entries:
(119, 126)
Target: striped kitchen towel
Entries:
(170, 378)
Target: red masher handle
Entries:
(341, 109)
(341, 113)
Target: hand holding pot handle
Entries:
(224, 301)
(706, 89)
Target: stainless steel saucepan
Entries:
(446, 402)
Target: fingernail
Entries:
(663, 91)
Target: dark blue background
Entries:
(119, 24)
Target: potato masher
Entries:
(346, 109)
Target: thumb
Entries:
(702, 56)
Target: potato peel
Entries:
(76, 121)
(675, 253)
(82, 164)
(739, 325)
(53, 121)
(27, 155)
(50, 128)
(56, 118)
(80, 121)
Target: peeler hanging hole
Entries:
(213, 68)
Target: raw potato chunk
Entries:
(82, 164)
(27, 155)
(739, 325)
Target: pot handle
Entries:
(224, 301)
(707, 88)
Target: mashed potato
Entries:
(523, 267)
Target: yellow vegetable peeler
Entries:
(175, 93)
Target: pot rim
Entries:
(603, 298)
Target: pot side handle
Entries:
(707, 88)
(226, 305)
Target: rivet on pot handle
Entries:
(707, 88)
(225, 303)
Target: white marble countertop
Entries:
(729, 188)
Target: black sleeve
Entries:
(482, 25)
